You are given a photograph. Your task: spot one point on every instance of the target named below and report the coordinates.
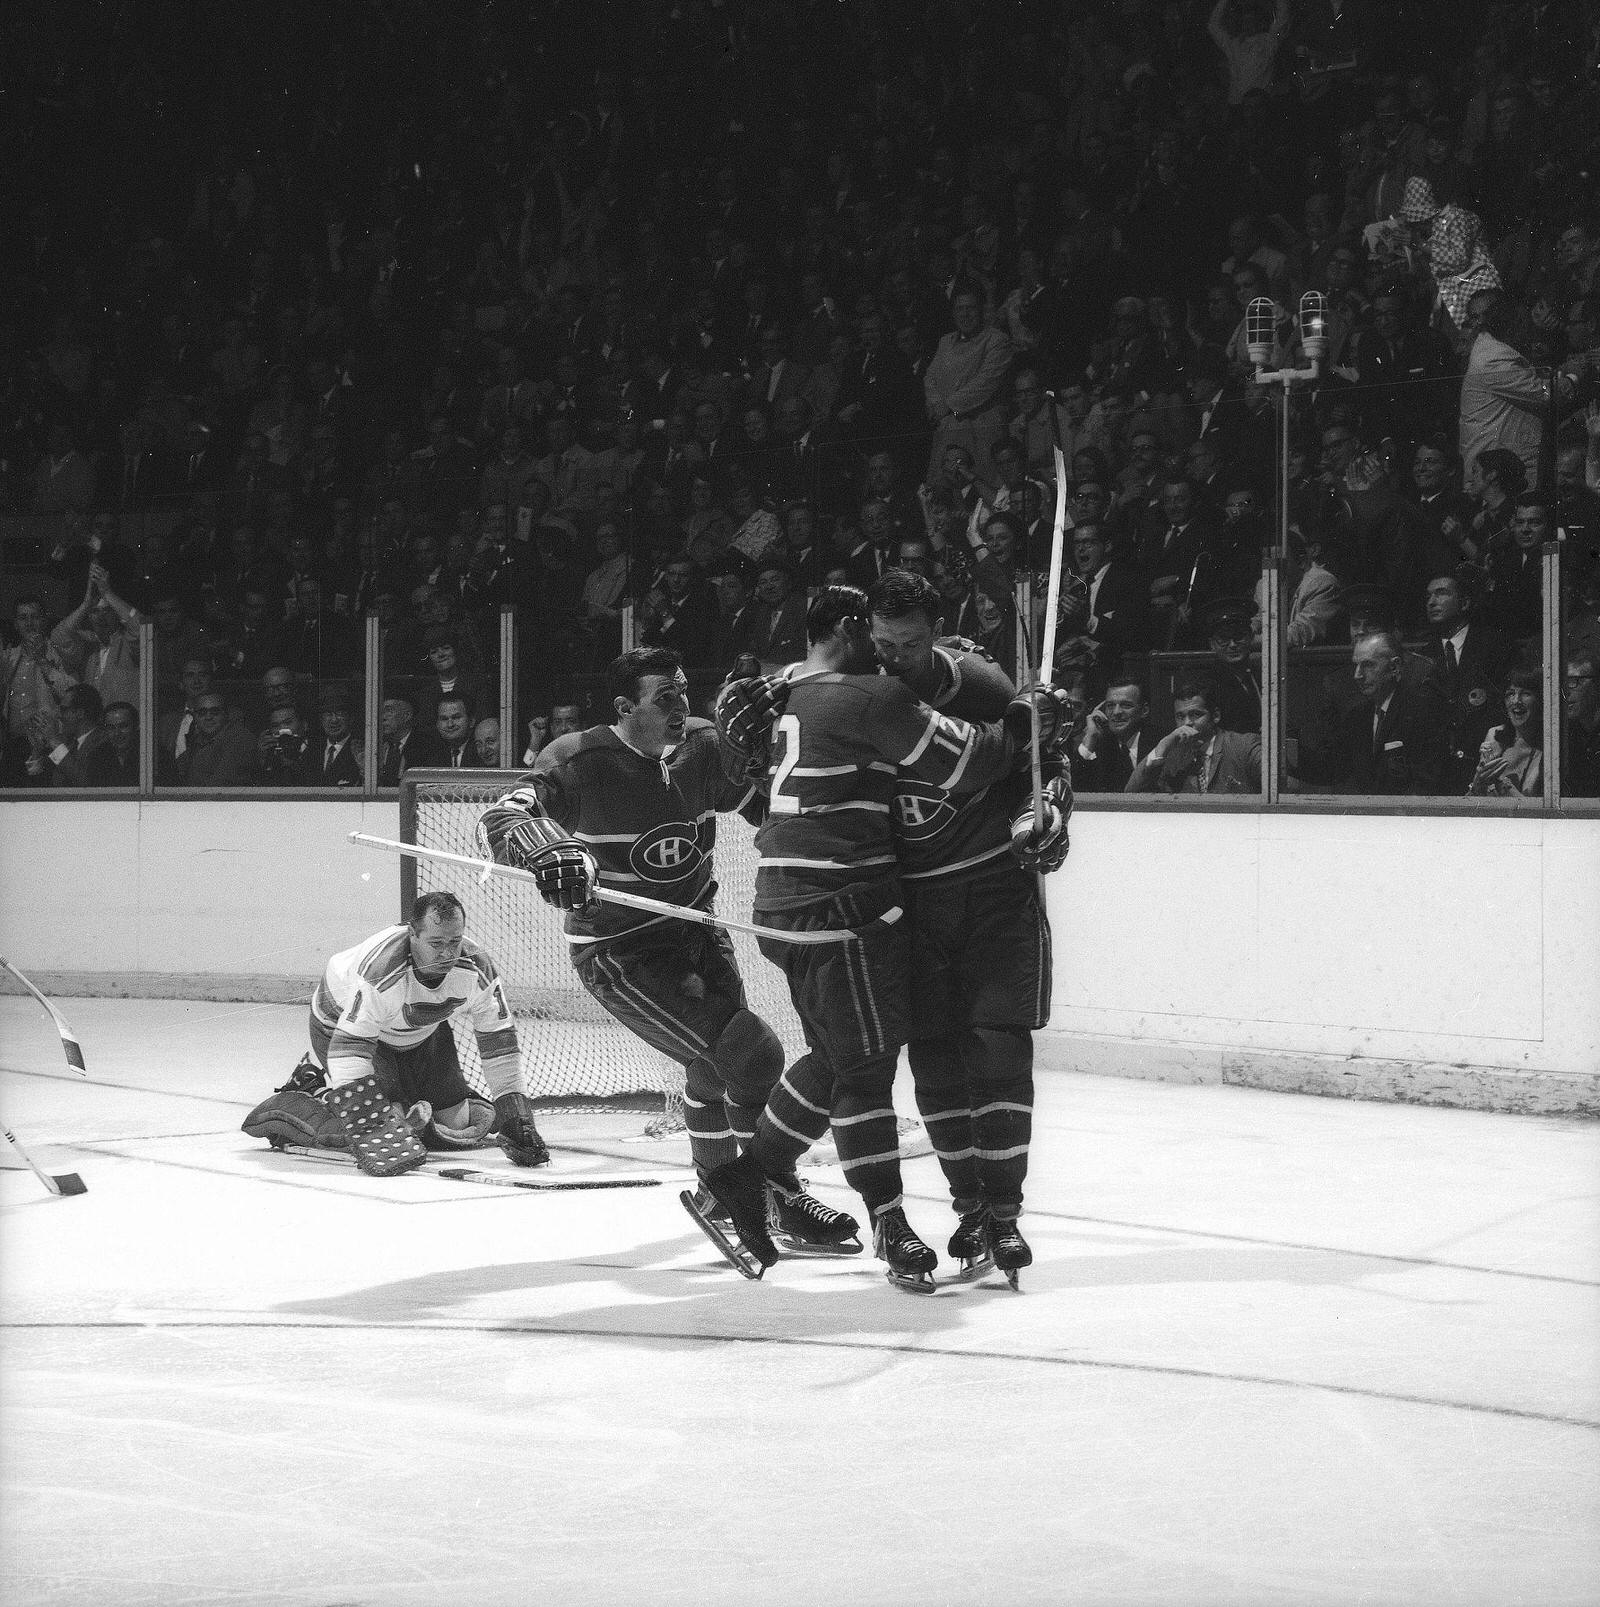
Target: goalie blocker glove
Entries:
(1044, 850)
(747, 710)
(380, 1140)
(563, 870)
(515, 1133)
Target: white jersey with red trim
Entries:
(373, 994)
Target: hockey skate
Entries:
(909, 1262)
(800, 1224)
(969, 1245)
(1007, 1247)
(740, 1230)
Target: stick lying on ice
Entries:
(65, 1183)
(680, 912)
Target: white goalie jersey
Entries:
(372, 994)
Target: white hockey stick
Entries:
(678, 912)
(69, 1042)
(66, 1183)
(467, 1174)
(1047, 646)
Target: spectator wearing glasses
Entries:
(1581, 756)
(219, 752)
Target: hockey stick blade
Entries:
(633, 901)
(70, 1046)
(62, 1183)
(463, 1174)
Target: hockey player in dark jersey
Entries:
(633, 806)
(828, 862)
(980, 940)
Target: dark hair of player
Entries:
(1188, 687)
(898, 592)
(444, 905)
(627, 673)
(829, 607)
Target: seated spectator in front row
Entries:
(1472, 661)
(486, 739)
(1511, 757)
(1114, 739)
(336, 760)
(217, 751)
(72, 753)
(1197, 755)
(122, 745)
(281, 748)
(1581, 756)
(1393, 740)
(453, 723)
(562, 720)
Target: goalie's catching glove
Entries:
(747, 711)
(563, 870)
(1044, 849)
(515, 1133)
(1054, 715)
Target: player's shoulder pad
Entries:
(477, 960)
(564, 748)
(966, 647)
(694, 726)
(981, 688)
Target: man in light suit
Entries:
(1197, 755)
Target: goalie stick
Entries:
(465, 1174)
(69, 1042)
(679, 912)
(66, 1183)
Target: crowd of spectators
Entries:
(683, 307)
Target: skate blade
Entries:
(971, 1271)
(914, 1283)
(740, 1259)
(1011, 1278)
(819, 1252)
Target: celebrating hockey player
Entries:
(383, 1075)
(844, 736)
(633, 806)
(980, 940)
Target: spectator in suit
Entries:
(486, 742)
(318, 643)
(1516, 572)
(681, 614)
(453, 725)
(778, 623)
(777, 377)
(1472, 660)
(219, 752)
(1503, 396)
(121, 752)
(1230, 636)
(177, 725)
(1114, 739)
(1581, 753)
(334, 761)
(282, 746)
(1112, 607)
(1394, 738)
(1197, 755)
(73, 751)
(403, 746)
(731, 584)
(964, 386)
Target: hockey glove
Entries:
(746, 713)
(1054, 716)
(1044, 850)
(563, 870)
(515, 1133)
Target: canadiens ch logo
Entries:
(668, 854)
(921, 811)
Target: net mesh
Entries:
(571, 1049)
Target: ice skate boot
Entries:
(1007, 1246)
(969, 1244)
(306, 1078)
(739, 1189)
(800, 1224)
(910, 1262)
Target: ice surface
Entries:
(1272, 1350)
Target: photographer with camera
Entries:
(281, 748)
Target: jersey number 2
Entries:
(788, 733)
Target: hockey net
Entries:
(575, 1057)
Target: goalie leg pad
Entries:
(380, 1140)
(295, 1117)
(463, 1126)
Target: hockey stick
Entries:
(69, 1043)
(464, 1174)
(678, 912)
(66, 1183)
(1052, 601)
